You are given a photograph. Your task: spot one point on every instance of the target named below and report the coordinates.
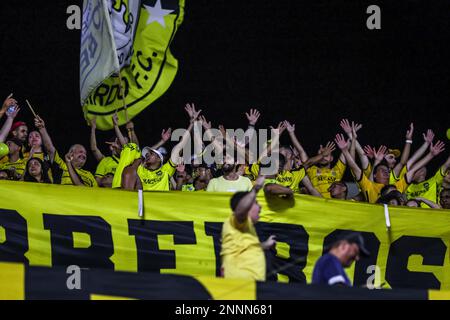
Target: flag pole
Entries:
(122, 96)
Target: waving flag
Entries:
(143, 31)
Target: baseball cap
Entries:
(352, 237)
(16, 125)
(147, 150)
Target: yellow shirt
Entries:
(19, 165)
(322, 177)
(372, 189)
(222, 185)
(428, 189)
(107, 165)
(242, 255)
(290, 179)
(86, 177)
(156, 180)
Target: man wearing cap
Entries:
(329, 269)
(242, 253)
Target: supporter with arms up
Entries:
(318, 168)
(372, 189)
(149, 173)
(70, 170)
(242, 253)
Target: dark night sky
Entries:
(312, 62)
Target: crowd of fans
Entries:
(383, 175)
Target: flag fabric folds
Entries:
(142, 31)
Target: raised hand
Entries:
(9, 101)
(166, 134)
(129, 125)
(429, 136)
(369, 152)
(290, 127)
(345, 125)
(206, 125)
(329, 148)
(409, 133)
(341, 142)
(93, 122)
(380, 153)
(13, 114)
(68, 157)
(437, 148)
(253, 116)
(281, 127)
(115, 119)
(39, 123)
(193, 114)
(222, 130)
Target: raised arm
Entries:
(165, 136)
(73, 174)
(176, 151)
(97, 153)
(8, 123)
(119, 134)
(343, 145)
(241, 211)
(9, 101)
(434, 151)
(345, 125)
(131, 133)
(378, 156)
(275, 139)
(323, 152)
(406, 151)
(40, 124)
(428, 140)
(291, 130)
(308, 185)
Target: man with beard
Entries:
(68, 171)
(445, 199)
(230, 181)
(329, 269)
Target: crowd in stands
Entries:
(383, 175)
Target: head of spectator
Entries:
(15, 147)
(420, 175)
(288, 154)
(79, 155)
(413, 203)
(391, 157)
(445, 199)
(229, 165)
(387, 189)
(327, 159)
(4, 175)
(350, 247)
(393, 198)
(381, 173)
(255, 208)
(36, 171)
(446, 180)
(153, 159)
(19, 130)
(34, 139)
(201, 183)
(338, 190)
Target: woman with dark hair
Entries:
(36, 171)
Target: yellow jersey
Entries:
(156, 180)
(323, 177)
(372, 189)
(19, 166)
(85, 176)
(428, 189)
(107, 165)
(290, 179)
(242, 255)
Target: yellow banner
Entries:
(49, 225)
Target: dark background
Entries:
(312, 62)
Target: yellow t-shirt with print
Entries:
(156, 180)
(428, 189)
(107, 165)
(372, 189)
(290, 179)
(242, 255)
(19, 166)
(323, 177)
(86, 177)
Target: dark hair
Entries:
(384, 191)
(381, 164)
(343, 184)
(236, 198)
(397, 195)
(44, 172)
